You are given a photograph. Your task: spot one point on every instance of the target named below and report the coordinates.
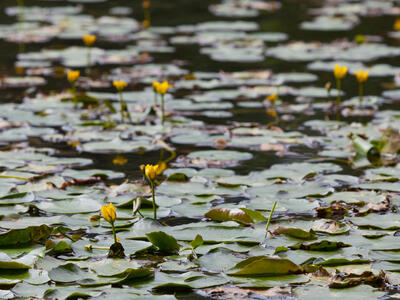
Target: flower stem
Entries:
(339, 88)
(360, 92)
(121, 103)
(88, 62)
(114, 234)
(74, 95)
(154, 200)
(162, 110)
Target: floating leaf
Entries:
(164, 242)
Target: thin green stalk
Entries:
(88, 60)
(155, 98)
(154, 200)
(162, 110)
(147, 16)
(114, 234)
(270, 217)
(20, 13)
(74, 95)
(121, 103)
(360, 92)
(339, 88)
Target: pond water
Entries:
(255, 116)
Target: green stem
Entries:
(270, 217)
(74, 95)
(154, 199)
(147, 15)
(121, 103)
(155, 98)
(21, 12)
(88, 58)
(162, 109)
(360, 92)
(339, 88)
(114, 233)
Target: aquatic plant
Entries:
(110, 215)
(339, 73)
(151, 172)
(89, 40)
(146, 11)
(162, 89)
(73, 76)
(362, 77)
(120, 86)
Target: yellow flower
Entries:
(272, 98)
(108, 212)
(120, 85)
(150, 171)
(163, 87)
(160, 167)
(271, 112)
(120, 160)
(362, 76)
(156, 84)
(73, 76)
(396, 25)
(146, 4)
(340, 71)
(89, 39)
(146, 23)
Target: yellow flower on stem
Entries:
(109, 214)
(88, 40)
(72, 78)
(362, 77)
(120, 86)
(272, 98)
(339, 72)
(162, 89)
(150, 172)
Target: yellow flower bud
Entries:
(150, 172)
(146, 4)
(89, 39)
(163, 87)
(120, 85)
(156, 84)
(108, 212)
(73, 76)
(362, 76)
(339, 71)
(272, 98)
(146, 23)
